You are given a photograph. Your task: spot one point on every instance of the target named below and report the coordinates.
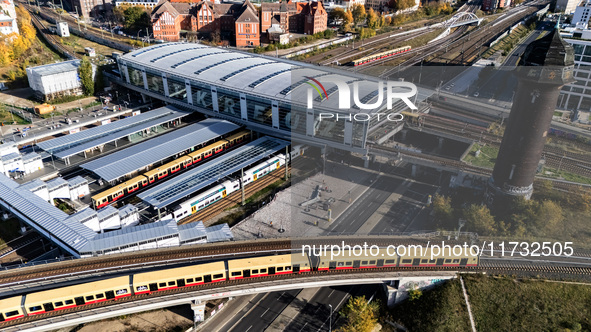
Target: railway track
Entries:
(73, 22)
(235, 198)
(468, 52)
(18, 243)
(49, 37)
(116, 263)
(435, 159)
(455, 42)
(555, 157)
(507, 267)
(362, 50)
(485, 266)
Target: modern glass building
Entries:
(267, 94)
(577, 96)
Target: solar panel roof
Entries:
(275, 78)
(45, 215)
(202, 176)
(126, 161)
(219, 233)
(72, 144)
(133, 235)
(192, 231)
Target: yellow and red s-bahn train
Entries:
(112, 289)
(117, 192)
(381, 55)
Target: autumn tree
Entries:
(86, 76)
(414, 294)
(442, 208)
(401, 4)
(479, 219)
(548, 215)
(5, 54)
(348, 19)
(381, 20)
(358, 13)
(372, 19)
(360, 315)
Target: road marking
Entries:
(265, 312)
(248, 329)
(330, 293)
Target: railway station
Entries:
(131, 128)
(120, 164)
(264, 93)
(73, 233)
(203, 176)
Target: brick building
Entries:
(91, 8)
(298, 17)
(239, 22)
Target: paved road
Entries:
(314, 316)
(360, 211)
(265, 309)
(403, 212)
(513, 58)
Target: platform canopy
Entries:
(72, 144)
(205, 175)
(121, 163)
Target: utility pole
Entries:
(147, 36)
(286, 160)
(242, 185)
(78, 19)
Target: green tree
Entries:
(479, 219)
(361, 316)
(337, 15)
(99, 81)
(85, 73)
(136, 18)
(358, 12)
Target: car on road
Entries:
(448, 87)
(476, 94)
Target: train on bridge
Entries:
(295, 263)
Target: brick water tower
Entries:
(546, 65)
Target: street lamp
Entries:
(330, 319)
(461, 224)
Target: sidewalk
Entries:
(287, 213)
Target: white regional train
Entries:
(224, 189)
